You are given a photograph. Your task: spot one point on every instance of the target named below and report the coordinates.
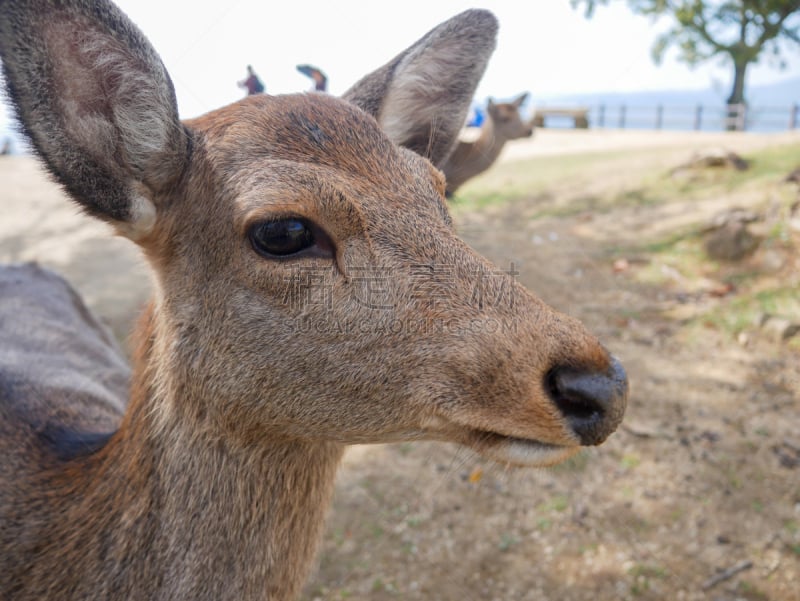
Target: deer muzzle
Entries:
(592, 402)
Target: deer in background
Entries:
(205, 471)
(503, 123)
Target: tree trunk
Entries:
(736, 103)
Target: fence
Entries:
(699, 117)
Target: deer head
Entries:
(508, 123)
(309, 281)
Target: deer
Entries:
(470, 158)
(309, 292)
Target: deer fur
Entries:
(470, 158)
(204, 472)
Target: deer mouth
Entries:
(513, 450)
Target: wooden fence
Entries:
(737, 117)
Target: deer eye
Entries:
(282, 237)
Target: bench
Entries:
(579, 116)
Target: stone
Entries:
(780, 329)
(731, 242)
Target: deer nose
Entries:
(593, 403)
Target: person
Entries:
(476, 116)
(253, 83)
(316, 74)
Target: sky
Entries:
(544, 47)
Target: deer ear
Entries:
(97, 104)
(422, 96)
(520, 100)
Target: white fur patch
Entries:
(143, 218)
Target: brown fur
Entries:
(503, 123)
(251, 374)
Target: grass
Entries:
(558, 503)
(678, 262)
(598, 183)
(507, 541)
(531, 179)
(630, 461)
(577, 463)
(751, 591)
(643, 575)
(742, 313)
(678, 258)
(767, 167)
(378, 585)
(547, 177)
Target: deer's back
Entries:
(63, 379)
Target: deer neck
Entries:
(204, 516)
(239, 523)
(487, 147)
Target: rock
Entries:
(780, 329)
(731, 242)
(732, 215)
(772, 261)
(716, 158)
(761, 319)
(788, 455)
(793, 177)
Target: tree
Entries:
(740, 31)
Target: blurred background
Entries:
(550, 49)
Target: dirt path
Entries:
(695, 482)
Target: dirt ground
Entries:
(703, 476)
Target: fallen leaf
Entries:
(476, 475)
(621, 265)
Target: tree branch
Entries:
(771, 29)
(792, 35)
(700, 25)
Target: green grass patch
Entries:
(379, 585)
(642, 575)
(767, 166)
(648, 571)
(558, 503)
(743, 311)
(558, 183)
(544, 524)
(577, 463)
(537, 179)
(772, 163)
(476, 202)
(630, 461)
(752, 592)
(507, 541)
